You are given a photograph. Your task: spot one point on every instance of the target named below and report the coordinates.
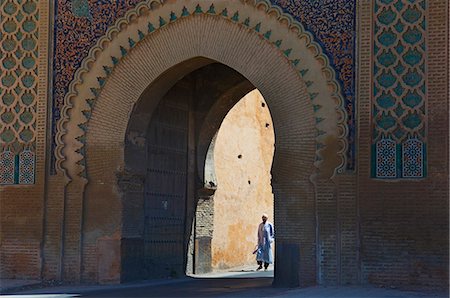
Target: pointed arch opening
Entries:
(106, 123)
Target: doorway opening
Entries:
(241, 154)
(172, 155)
(169, 172)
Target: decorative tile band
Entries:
(17, 168)
(19, 52)
(333, 24)
(413, 152)
(312, 66)
(7, 167)
(26, 167)
(80, 23)
(399, 89)
(386, 159)
(78, 26)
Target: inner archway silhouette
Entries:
(169, 160)
(242, 152)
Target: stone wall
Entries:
(243, 159)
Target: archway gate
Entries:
(148, 51)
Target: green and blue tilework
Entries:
(18, 90)
(80, 8)
(399, 89)
(333, 25)
(332, 22)
(7, 167)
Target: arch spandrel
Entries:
(285, 36)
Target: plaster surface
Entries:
(243, 159)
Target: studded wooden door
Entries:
(165, 194)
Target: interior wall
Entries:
(243, 156)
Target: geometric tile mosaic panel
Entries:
(26, 167)
(17, 168)
(399, 81)
(7, 167)
(386, 159)
(18, 77)
(80, 23)
(413, 152)
(333, 24)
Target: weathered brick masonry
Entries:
(404, 223)
(22, 206)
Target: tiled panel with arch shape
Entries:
(332, 23)
(18, 90)
(399, 89)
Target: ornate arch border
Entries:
(158, 14)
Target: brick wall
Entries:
(53, 228)
(404, 224)
(21, 259)
(336, 231)
(22, 206)
(348, 244)
(296, 203)
(21, 230)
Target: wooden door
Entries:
(165, 193)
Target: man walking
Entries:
(265, 239)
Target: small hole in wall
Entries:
(240, 156)
(263, 104)
(267, 125)
(249, 182)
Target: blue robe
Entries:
(265, 239)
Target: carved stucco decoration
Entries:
(260, 17)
